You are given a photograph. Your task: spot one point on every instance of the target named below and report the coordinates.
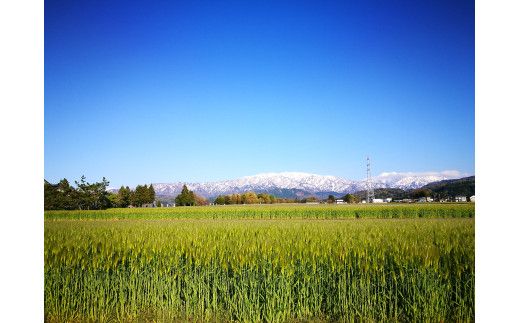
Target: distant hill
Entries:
(453, 187)
(440, 189)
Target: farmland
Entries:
(279, 211)
(261, 263)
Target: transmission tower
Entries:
(370, 188)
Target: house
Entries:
(472, 199)
(388, 200)
(425, 199)
(340, 202)
(377, 201)
(460, 199)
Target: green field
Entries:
(262, 263)
(279, 211)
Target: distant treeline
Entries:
(125, 197)
(189, 198)
(94, 196)
(260, 198)
(246, 198)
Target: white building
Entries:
(460, 199)
(340, 202)
(378, 201)
(472, 198)
(388, 200)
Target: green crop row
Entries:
(251, 271)
(445, 210)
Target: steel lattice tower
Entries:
(370, 188)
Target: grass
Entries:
(290, 268)
(279, 211)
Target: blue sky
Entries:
(168, 91)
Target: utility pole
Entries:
(370, 189)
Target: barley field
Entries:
(279, 211)
(184, 264)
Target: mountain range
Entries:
(299, 185)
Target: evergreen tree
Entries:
(86, 196)
(114, 200)
(220, 200)
(140, 195)
(50, 193)
(151, 194)
(186, 198)
(123, 196)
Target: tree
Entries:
(124, 196)
(186, 198)
(65, 196)
(92, 196)
(311, 199)
(227, 199)
(151, 194)
(133, 198)
(265, 198)
(114, 200)
(141, 195)
(50, 194)
(199, 200)
(235, 199)
(145, 194)
(423, 192)
(220, 200)
(249, 198)
(86, 196)
(100, 195)
(331, 199)
(349, 198)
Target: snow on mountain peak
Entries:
(410, 180)
(310, 183)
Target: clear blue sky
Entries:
(165, 91)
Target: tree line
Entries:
(94, 196)
(190, 198)
(245, 198)
(141, 195)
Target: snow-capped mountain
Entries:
(304, 184)
(411, 180)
